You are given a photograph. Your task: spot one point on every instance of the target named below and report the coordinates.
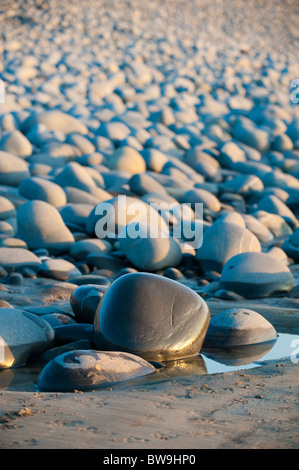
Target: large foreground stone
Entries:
(255, 275)
(151, 316)
(89, 369)
(23, 336)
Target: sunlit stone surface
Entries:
(151, 316)
(256, 275)
(238, 327)
(23, 335)
(89, 369)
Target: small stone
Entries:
(75, 175)
(42, 190)
(82, 248)
(197, 195)
(13, 170)
(15, 279)
(16, 143)
(59, 269)
(73, 332)
(40, 225)
(128, 159)
(84, 301)
(7, 209)
(147, 252)
(18, 258)
(256, 275)
(238, 327)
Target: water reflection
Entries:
(19, 379)
(239, 355)
(210, 361)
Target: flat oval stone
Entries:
(238, 327)
(59, 269)
(43, 190)
(16, 143)
(18, 258)
(151, 316)
(147, 252)
(88, 369)
(256, 275)
(23, 336)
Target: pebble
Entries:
(16, 143)
(41, 226)
(55, 120)
(159, 319)
(128, 159)
(256, 275)
(160, 115)
(23, 336)
(237, 327)
(71, 332)
(146, 252)
(75, 175)
(19, 258)
(13, 169)
(201, 196)
(37, 188)
(222, 241)
(117, 213)
(291, 246)
(85, 370)
(82, 248)
(59, 269)
(84, 301)
(7, 209)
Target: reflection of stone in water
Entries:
(239, 355)
(194, 365)
(19, 378)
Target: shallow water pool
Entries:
(210, 361)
